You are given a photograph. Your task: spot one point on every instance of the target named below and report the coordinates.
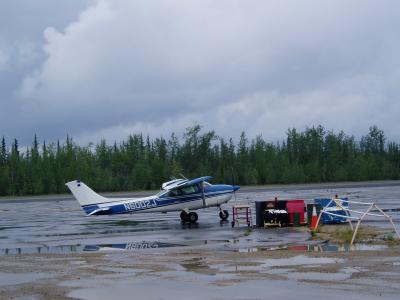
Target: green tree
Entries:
(3, 168)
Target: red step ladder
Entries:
(241, 214)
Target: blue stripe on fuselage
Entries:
(89, 208)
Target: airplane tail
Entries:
(84, 194)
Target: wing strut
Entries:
(202, 195)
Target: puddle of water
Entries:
(133, 246)
(322, 247)
(42, 250)
(278, 265)
(247, 250)
(130, 246)
(7, 279)
(239, 267)
(77, 262)
(203, 287)
(318, 276)
(350, 270)
(287, 267)
(387, 274)
(233, 245)
(299, 261)
(345, 247)
(130, 271)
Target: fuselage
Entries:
(188, 198)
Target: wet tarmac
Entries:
(60, 226)
(50, 250)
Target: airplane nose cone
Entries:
(235, 187)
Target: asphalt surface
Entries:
(49, 249)
(60, 225)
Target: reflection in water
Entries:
(198, 265)
(323, 247)
(224, 223)
(186, 225)
(344, 247)
(42, 250)
(131, 246)
(147, 245)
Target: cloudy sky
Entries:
(107, 68)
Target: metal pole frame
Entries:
(346, 210)
(389, 218)
(360, 219)
(324, 211)
(359, 222)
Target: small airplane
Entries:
(176, 195)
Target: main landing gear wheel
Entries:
(224, 214)
(191, 217)
(184, 216)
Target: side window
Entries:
(186, 190)
(189, 189)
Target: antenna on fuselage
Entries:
(184, 177)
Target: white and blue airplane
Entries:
(176, 195)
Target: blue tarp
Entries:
(328, 219)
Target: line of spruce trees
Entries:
(314, 155)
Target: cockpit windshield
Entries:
(162, 192)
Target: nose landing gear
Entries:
(223, 214)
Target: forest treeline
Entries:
(313, 155)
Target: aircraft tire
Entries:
(184, 216)
(192, 217)
(224, 214)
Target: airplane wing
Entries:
(197, 180)
(188, 182)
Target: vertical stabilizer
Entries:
(84, 194)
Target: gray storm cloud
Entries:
(258, 66)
